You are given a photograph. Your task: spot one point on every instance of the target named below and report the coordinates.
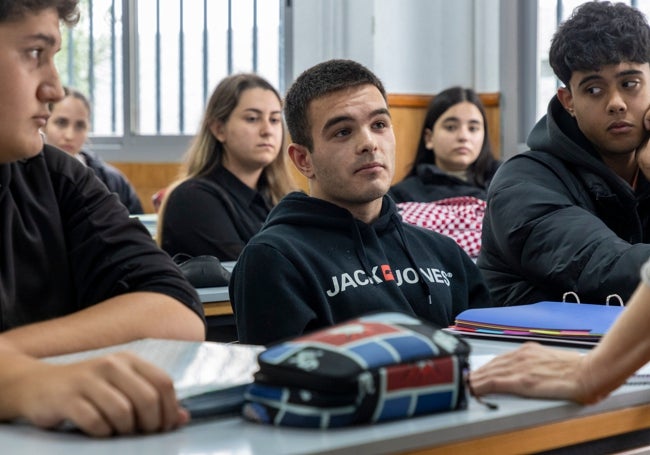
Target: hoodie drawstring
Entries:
(423, 282)
(360, 250)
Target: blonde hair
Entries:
(205, 152)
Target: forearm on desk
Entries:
(623, 350)
(117, 320)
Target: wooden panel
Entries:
(217, 308)
(147, 178)
(408, 113)
(407, 123)
(551, 436)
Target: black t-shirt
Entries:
(67, 243)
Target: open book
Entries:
(209, 378)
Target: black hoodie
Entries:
(433, 184)
(313, 265)
(558, 219)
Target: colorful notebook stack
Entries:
(561, 321)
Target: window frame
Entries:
(156, 148)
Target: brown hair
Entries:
(74, 93)
(14, 10)
(318, 81)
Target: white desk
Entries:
(216, 294)
(216, 300)
(519, 425)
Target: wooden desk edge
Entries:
(217, 308)
(551, 436)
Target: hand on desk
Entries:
(533, 371)
(115, 394)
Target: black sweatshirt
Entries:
(313, 265)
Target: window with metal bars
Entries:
(148, 66)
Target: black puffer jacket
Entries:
(558, 219)
(115, 181)
(432, 184)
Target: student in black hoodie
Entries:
(573, 214)
(344, 251)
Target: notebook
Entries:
(209, 377)
(574, 322)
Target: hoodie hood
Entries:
(298, 209)
(557, 133)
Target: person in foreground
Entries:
(343, 251)
(68, 129)
(573, 214)
(235, 171)
(454, 156)
(537, 371)
(76, 273)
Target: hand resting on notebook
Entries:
(542, 372)
(114, 394)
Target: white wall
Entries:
(420, 47)
(414, 46)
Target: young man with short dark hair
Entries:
(344, 251)
(573, 214)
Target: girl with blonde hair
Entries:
(234, 172)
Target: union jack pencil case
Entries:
(374, 368)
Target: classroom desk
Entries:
(216, 301)
(518, 426)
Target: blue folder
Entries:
(559, 317)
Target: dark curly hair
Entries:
(13, 10)
(316, 82)
(483, 168)
(599, 34)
